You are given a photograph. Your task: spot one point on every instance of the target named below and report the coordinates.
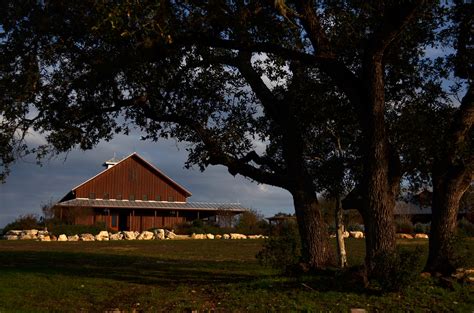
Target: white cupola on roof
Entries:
(111, 162)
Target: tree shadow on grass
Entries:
(159, 271)
(140, 270)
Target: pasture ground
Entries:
(196, 276)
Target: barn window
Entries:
(106, 196)
(145, 198)
(131, 197)
(91, 195)
(158, 198)
(170, 198)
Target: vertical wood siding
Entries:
(137, 220)
(131, 177)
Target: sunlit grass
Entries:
(164, 276)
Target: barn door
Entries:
(114, 222)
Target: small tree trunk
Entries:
(447, 193)
(341, 247)
(313, 230)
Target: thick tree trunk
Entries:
(447, 193)
(341, 247)
(379, 231)
(313, 230)
(452, 174)
(381, 174)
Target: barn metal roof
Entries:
(408, 208)
(205, 206)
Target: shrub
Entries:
(462, 253)
(356, 227)
(251, 223)
(465, 228)
(420, 228)
(332, 229)
(404, 225)
(70, 230)
(28, 221)
(400, 269)
(282, 252)
(199, 227)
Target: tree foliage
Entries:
(322, 86)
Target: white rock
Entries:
(25, 236)
(254, 236)
(62, 237)
(159, 234)
(102, 236)
(11, 237)
(42, 233)
(169, 234)
(421, 236)
(44, 238)
(218, 237)
(404, 236)
(31, 232)
(73, 238)
(116, 236)
(198, 236)
(14, 232)
(346, 234)
(237, 236)
(210, 236)
(129, 235)
(356, 234)
(226, 236)
(87, 237)
(146, 235)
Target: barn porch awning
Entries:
(126, 204)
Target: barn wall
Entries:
(84, 220)
(144, 220)
(131, 177)
(138, 220)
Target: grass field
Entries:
(199, 275)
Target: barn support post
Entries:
(133, 220)
(154, 220)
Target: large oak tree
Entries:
(196, 70)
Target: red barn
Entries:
(132, 194)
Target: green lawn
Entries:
(203, 275)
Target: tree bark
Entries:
(380, 177)
(313, 230)
(452, 174)
(447, 193)
(341, 247)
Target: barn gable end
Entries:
(133, 178)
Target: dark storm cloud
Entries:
(29, 185)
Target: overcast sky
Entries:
(30, 185)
